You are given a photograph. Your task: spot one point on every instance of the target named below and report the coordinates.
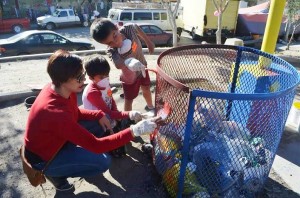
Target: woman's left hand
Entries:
(105, 123)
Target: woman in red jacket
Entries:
(55, 121)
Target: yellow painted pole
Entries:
(273, 26)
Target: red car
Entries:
(157, 35)
(14, 25)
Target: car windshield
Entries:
(56, 13)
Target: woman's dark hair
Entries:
(96, 65)
(101, 28)
(62, 66)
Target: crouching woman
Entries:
(55, 123)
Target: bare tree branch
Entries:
(226, 4)
(215, 3)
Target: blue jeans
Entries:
(75, 161)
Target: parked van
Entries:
(157, 17)
(154, 13)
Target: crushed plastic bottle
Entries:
(163, 162)
(259, 146)
(191, 184)
(234, 130)
(209, 115)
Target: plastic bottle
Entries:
(191, 184)
(211, 116)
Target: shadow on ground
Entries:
(275, 189)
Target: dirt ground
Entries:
(131, 176)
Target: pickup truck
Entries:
(60, 18)
(15, 25)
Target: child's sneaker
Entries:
(149, 109)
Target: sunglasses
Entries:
(80, 78)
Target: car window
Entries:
(48, 38)
(63, 14)
(155, 30)
(33, 39)
(145, 29)
(126, 16)
(59, 40)
(53, 39)
(142, 16)
(163, 16)
(71, 13)
(155, 16)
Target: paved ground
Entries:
(132, 176)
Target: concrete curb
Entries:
(23, 94)
(290, 59)
(84, 52)
(17, 95)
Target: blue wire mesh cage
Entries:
(228, 106)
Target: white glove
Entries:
(135, 116)
(135, 65)
(143, 127)
(126, 46)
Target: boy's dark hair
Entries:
(62, 66)
(101, 28)
(96, 65)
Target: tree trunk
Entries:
(292, 36)
(219, 31)
(172, 21)
(287, 32)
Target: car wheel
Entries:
(193, 34)
(179, 31)
(170, 42)
(50, 26)
(85, 24)
(17, 28)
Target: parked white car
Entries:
(60, 18)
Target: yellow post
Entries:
(273, 26)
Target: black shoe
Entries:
(148, 109)
(147, 148)
(122, 95)
(60, 183)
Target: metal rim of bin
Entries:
(219, 95)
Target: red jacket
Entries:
(53, 120)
